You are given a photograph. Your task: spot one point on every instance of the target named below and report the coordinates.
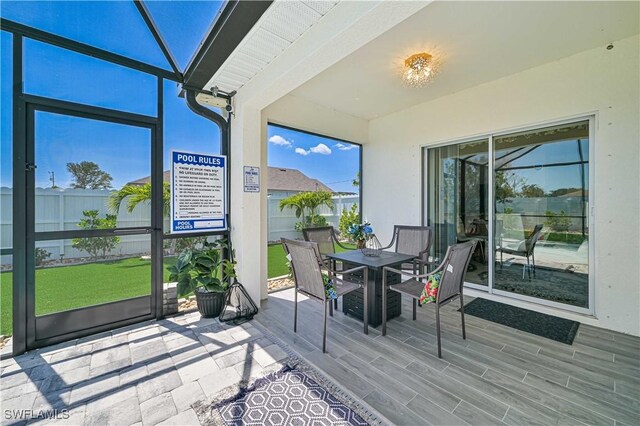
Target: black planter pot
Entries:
(210, 304)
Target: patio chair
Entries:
(307, 266)
(413, 240)
(524, 248)
(452, 270)
(326, 238)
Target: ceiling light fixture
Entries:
(419, 70)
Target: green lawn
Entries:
(70, 287)
(277, 261)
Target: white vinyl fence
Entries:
(282, 223)
(61, 209)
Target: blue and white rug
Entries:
(292, 395)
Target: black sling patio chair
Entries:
(524, 248)
(327, 240)
(413, 240)
(452, 270)
(307, 266)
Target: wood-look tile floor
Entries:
(498, 375)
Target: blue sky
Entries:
(61, 74)
(333, 162)
(124, 151)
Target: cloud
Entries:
(321, 149)
(344, 147)
(302, 151)
(279, 140)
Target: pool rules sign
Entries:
(198, 192)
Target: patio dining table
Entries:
(352, 303)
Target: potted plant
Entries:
(206, 273)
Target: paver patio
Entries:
(152, 372)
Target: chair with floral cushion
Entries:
(307, 267)
(440, 286)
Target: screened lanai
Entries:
(96, 96)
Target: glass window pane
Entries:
(82, 166)
(545, 189)
(116, 26)
(62, 74)
(458, 200)
(82, 272)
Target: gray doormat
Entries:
(554, 328)
(293, 395)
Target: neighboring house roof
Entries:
(577, 193)
(293, 180)
(278, 179)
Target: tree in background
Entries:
(531, 191)
(305, 205)
(356, 181)
(88, 175)
(96, 246)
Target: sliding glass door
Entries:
(531, 225)
(458, 201)
(541, 204)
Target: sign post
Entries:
(198, 192)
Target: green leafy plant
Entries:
(558, 222)
(136, 194)
(312, 221)
(305, 205)
(96, 246)
(41, 256)
(203, 269)
(348, 218)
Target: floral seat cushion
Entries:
(329, 287)
(430, 291)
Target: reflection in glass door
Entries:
(92, 245)
(537, 207)
(541, 204)
(458, 200)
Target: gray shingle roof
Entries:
(278, 179)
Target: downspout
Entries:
(225, 141)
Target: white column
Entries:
(249, 209)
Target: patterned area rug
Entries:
(293, 395)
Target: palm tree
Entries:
(137, 194)
(307, 201)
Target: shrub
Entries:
(41, 256)
(348, 219)
(558, 222)
(96, 246)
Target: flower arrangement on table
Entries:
(360, 233)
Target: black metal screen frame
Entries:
(24, 235)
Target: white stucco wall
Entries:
(296, 112)
(598, 81)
